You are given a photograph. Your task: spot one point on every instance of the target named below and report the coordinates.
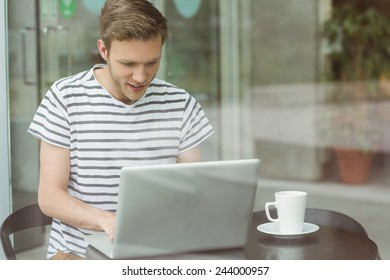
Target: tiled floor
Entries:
(369, 204)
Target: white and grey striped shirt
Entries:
(104, 134)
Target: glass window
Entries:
(283, 81)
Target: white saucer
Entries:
(272, 228)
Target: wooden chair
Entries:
(25, 218)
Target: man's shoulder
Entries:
(161, 86)
(161, 83)
(81, 79)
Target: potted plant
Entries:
(359, 42)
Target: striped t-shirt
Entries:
(104, 134)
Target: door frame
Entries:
(5, 178)
(235, 101)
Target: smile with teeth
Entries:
(136, 88)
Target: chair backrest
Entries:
(25, 218)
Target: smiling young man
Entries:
(132, 66)
(113, 115)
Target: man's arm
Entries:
(192, 155)
(54, 200)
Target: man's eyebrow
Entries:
(132, 61)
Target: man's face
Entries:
(132, 66)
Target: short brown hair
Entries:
(131, 19)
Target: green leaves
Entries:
(359, 40)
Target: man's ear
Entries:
(102, 49)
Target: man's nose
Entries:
(140, 75)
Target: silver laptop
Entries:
(180, 208)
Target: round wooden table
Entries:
(327, 243)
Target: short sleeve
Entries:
(50, 122)
(196, 126)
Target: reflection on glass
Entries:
(187, 9)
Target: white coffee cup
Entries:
(291, 207)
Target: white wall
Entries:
(5, 185)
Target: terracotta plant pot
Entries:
(354, 165)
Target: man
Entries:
(94, 123)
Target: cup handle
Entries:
(267, 205)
